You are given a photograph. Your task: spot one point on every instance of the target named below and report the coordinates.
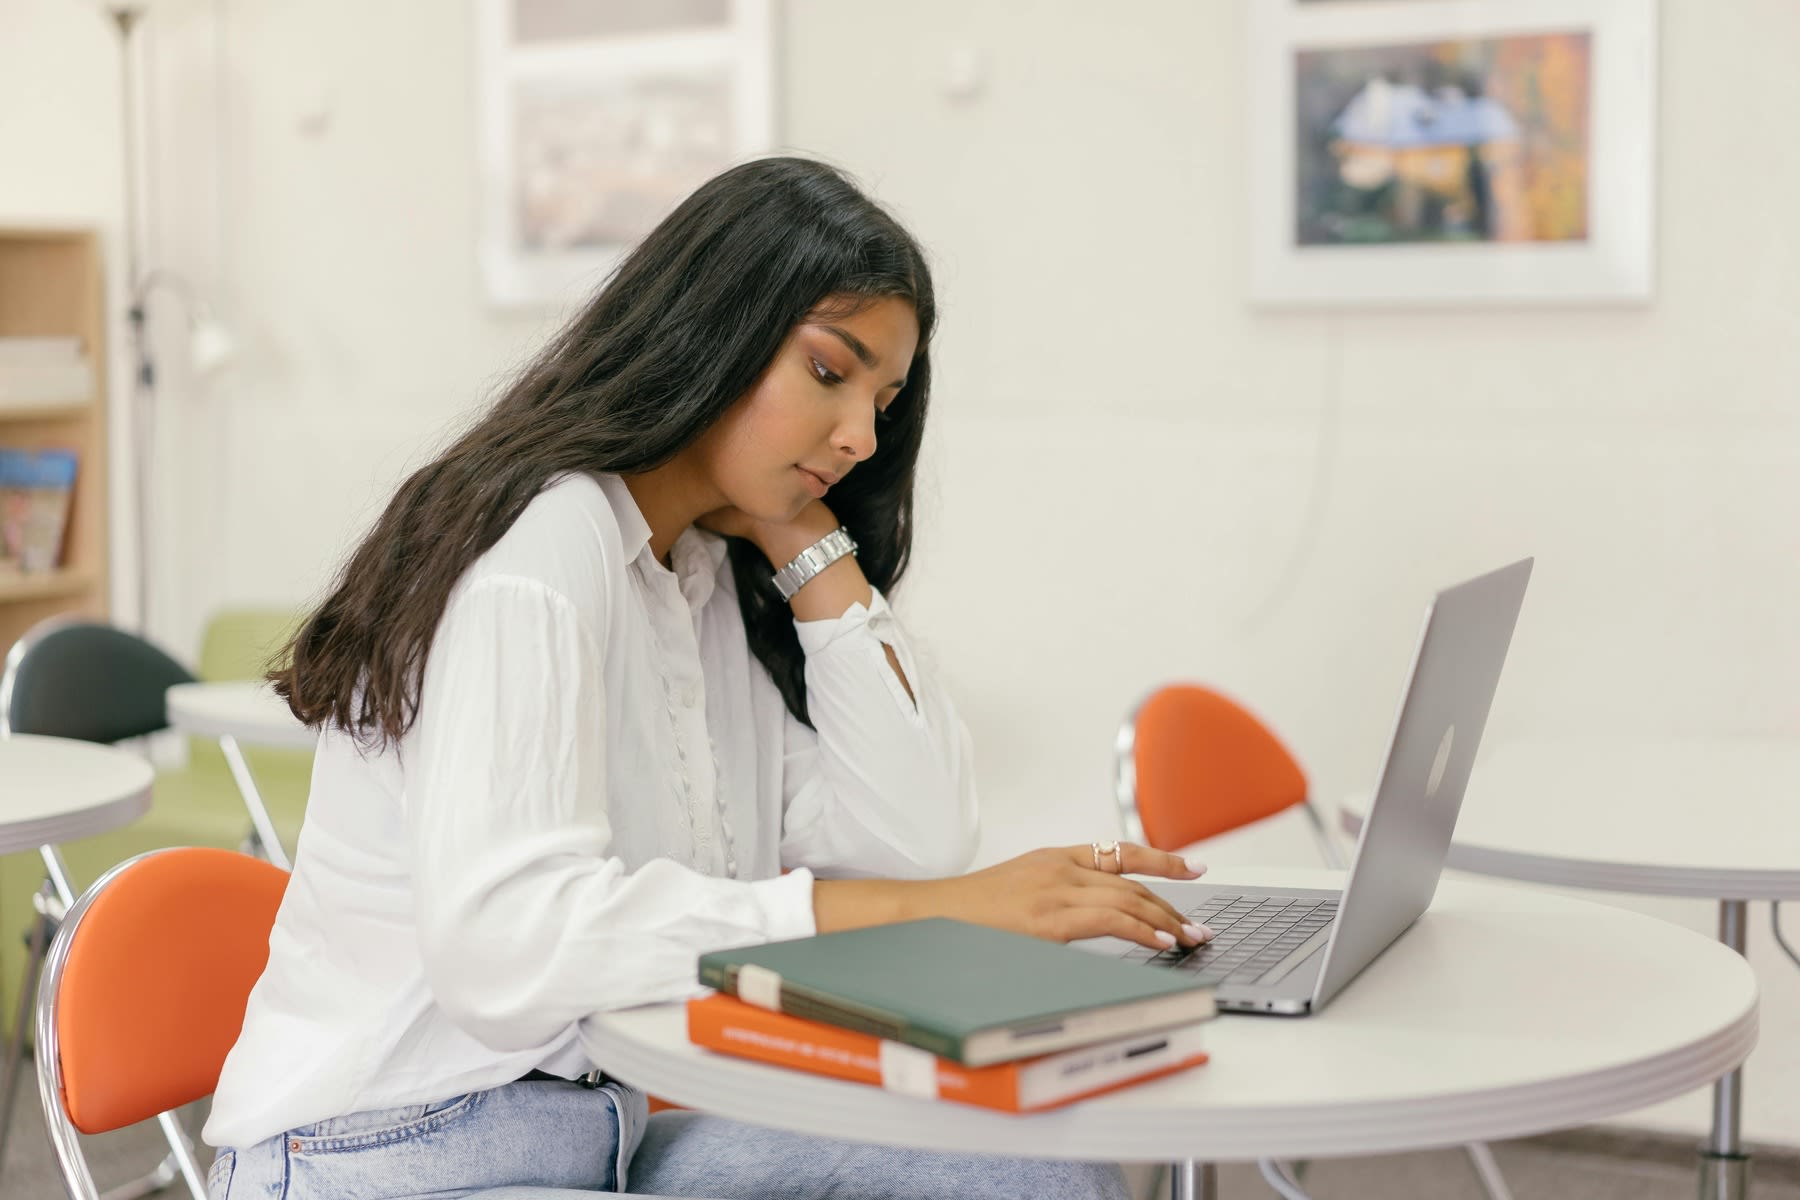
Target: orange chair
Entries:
(1192, 764)
(144, 993)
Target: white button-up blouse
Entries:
(545, 841)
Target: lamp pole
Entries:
(143, 376)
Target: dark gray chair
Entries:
(88, 681)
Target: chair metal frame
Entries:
(1198, 1181)
(64, 1138)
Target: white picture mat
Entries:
(1613, 265)
(517, 275)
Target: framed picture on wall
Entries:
(596, 119)
(1410, 152)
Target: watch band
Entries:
(810, 561)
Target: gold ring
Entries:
(1101, 850)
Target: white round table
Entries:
(236, 712)
(1447, 1038)
(250, 712)
(57, 789)
(1574, 814)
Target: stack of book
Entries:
(947, 1010)
(36, 487)
(37, 371)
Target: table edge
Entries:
(22, 836)
(1096, 1131)
(1707, 883)
(203, 724)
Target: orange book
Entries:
(730, 1026)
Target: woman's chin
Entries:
(785, 511)
(777, 511)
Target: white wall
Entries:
(1134, 476)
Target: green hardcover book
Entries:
(969, 993)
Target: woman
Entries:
(572, 731)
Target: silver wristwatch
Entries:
(810, 561)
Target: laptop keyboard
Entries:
(1251, 937)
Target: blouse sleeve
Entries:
(883, 785)
(527, 922)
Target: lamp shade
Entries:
(210, 344)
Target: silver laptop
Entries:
(1289, 950)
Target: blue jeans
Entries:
(546, 1134)
(565, 1136)
(690, 1154)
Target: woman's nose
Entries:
(855, 436)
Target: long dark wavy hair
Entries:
(683, 329)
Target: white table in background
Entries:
(1713, 819)
(55, 790)
(1444, 1040)
(242, 712)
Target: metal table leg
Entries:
(259, 815)
(1190, 1180)
(56, 895)
(1488, 1171)
(1724, 1167)
(15, 1047)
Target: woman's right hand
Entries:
(1053, 893)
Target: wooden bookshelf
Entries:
(51, 285)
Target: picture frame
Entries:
(1451, 152)
(595, 120)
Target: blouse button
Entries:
(689, 695)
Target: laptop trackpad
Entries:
(1301, 953)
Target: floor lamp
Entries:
(209, 343)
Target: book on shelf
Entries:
(36, 491)
(44, 370)
(38, 351)
(966, 992)
(729, 1026)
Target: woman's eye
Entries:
(825, 374)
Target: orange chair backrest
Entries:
(158, 974)
(1205, 765)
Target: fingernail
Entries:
(1195, 866)
(1199, 933)
(1167, 939)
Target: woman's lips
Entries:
(815, 484)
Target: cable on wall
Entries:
(1318, 489)
(1775, 925)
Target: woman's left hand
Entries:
(827, 595)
